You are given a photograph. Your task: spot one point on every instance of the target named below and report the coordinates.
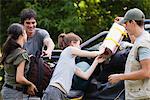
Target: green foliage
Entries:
(145, 6)
(9, 13)
(83, 17)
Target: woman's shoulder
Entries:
(23, 56)
(20, 51)
(16, 54)
(70, 48)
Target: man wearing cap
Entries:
(137, 71)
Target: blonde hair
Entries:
(64, 40)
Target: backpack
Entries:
(115, 65)
(106, 91)
(40, 73)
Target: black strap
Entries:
(117, 97)
(13, 87)
(40, 69)
(39, 61)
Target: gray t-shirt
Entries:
(144, 53)
(64, 70)
(35, 43)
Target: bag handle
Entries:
(38, 54)
(117, 97)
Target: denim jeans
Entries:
(53, 93)
(11, 94)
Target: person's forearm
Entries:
(136, 75)
(84, 53)
(89, 54)
(50, 48)
(24, 81)
(50, 44)
(89, 72)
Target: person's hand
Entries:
(99, 59)
(47, 53)
(32, 90)
(102, 49)
(30, 56)
(118, 19)
(114, 78)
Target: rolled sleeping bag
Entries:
(113, 39)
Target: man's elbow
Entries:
(147, 74)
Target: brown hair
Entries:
(13, 31)
(64, 40)
(27, 14)
(140, 23)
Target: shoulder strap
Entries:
(38, 54)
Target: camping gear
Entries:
(106, 91)
(40, 73)
(113, 39)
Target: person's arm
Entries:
(136, 75)
(48, 42)
(22, 80)
(83, 53)
(88, 73)
(143, 73)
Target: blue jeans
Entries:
(53, 93)
(11, 94)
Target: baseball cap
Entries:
(133, 14)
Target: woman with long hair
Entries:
(16, 64)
